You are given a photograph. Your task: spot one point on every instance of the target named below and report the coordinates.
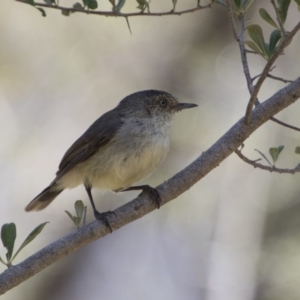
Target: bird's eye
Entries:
(163, 103)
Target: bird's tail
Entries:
(43, 199)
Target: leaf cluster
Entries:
(8, 237)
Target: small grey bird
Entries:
(122, 147)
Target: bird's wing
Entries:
(96, 136)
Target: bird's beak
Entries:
(182, 106)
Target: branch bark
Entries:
(168, 191)
(115, 14)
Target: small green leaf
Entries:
(90, 4)
(69, 214)
(265, 15)
(143, 4)
(256, 34)
(253, 46)
(113, 3)
(263, 156)
(274, 39)
(77, 221)
(79, 208)
(198, 3)
(283, 7)
(42, 11)
(275, 152)
(65, 12)
(32, 235)
(237, 3)
(8, 237)
(297, 150)
(174, 4)
(78, 6)
(119, 6)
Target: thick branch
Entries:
(169, 190)
(267, 168)
(115, 14)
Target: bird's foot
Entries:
(103, 217)
(152, 192)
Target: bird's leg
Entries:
(152, 192)
(98, 215)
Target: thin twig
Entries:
(285, 42)
(114, 14)
(279, 78)
(240, 40)
(231, 20)
(267, 168)
(278, 18)
(255, 77)
(284, 124)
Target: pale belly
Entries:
(118, 166)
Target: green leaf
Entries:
(174, 4)
(79, 208)
(77, 221)
(32, 235)
(283, 7)
(297, 150)
(90, 4)
(69, 214)
(256, 34)
(263, 156)
(275, 152)
(143, 4)
(253, 46)
(274, 39)
(78, 6)
(42, 11)
(237, 3)
(119, 5)
(113, 3)
(198, 3)
(8, 237)
(65, 12)
(265, 15)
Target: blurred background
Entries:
(234, 235)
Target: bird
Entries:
(122, 147)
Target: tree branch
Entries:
(284, 124)
(278, 18)
(267, 168)
(168, 191)
(115, 14)
(285, 42)
(240, 39)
